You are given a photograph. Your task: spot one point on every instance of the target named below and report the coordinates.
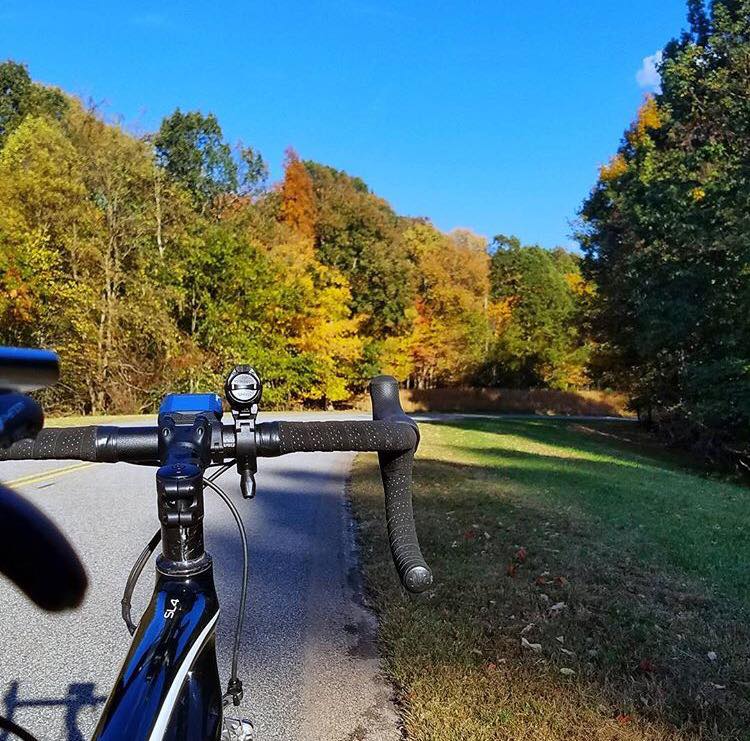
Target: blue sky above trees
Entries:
(489, 115)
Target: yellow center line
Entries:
(36, 478)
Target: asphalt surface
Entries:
(308, 660)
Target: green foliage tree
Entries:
(358, 234)
(539, 344)
(191, 148)
(20, 97)
(665, 236)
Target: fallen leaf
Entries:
(557, 607)
(535, 647)
(646, 665)
(511, 570)
(561, 639)
(528, 628)
(567, 651)
(712, 655)
(521, 554)
(567, 672)
(561, 581)
(623, 720)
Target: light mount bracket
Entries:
(243, 390)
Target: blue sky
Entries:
(487, 114)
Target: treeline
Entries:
(156, 263)
(666, 234)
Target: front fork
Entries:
(168, 688)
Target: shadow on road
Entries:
(80, 695)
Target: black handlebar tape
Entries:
(310, 437)
(78, 443)
(103, 444)
(395, 442)
(37, 557)
(396, 472)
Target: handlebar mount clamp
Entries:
(243, 390)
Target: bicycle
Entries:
(169, 685)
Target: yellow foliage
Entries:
(448, 338)
(698, 194)
(397, 356)
(614, 169)
(330, 334)
(578, 285)
(499, 314)
(648, 119)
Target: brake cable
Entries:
(133, 577)
(234, 686)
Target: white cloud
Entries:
(648, 76)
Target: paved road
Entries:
(309, 661)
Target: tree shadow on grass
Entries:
(661, 511)
(524, 548)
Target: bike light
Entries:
(243, 388)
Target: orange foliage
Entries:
(297, 197)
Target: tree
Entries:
(191, 148)
(450, 330)
(359, 234)
(297, 198)
(535, 303)
(665, 230)
(252, 172)
(20, 97)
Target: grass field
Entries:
(585, 588)
(115, 419)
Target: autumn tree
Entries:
(360, 235)
(297, 198)
(449, 334)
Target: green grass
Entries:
(622, 565)
(100, 419)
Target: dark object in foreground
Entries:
(34, 554)
(37, 557)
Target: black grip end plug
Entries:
(417, 579)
